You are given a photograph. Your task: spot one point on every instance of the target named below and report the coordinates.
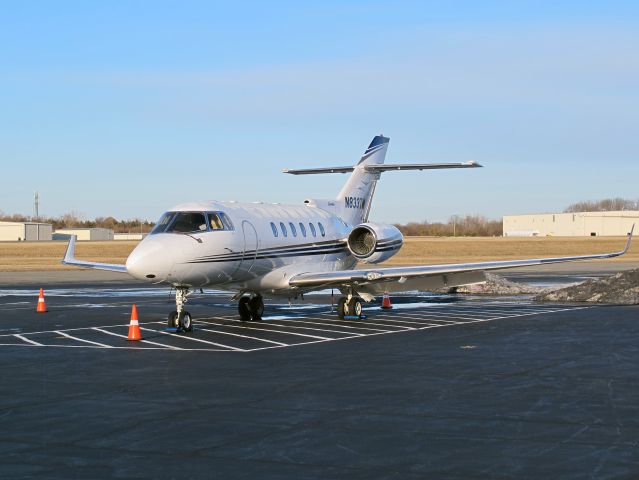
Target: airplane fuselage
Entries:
(239, 247)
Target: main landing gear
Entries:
(349, 306)
(180, 319)
(251, 308)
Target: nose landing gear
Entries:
(251, 308)
(180, 319)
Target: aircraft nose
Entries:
(150, 260)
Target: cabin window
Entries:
(274, 228)
(293, 231)
(303, 229)
(321, 227)
(188, 222)
(283, 228)
(219, 221)
(313, 229)
(228, 224)
(215, 221)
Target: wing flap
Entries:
(69, 259)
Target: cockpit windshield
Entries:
(163, 222)
(192, 222)
(187, 222)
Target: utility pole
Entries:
(36, 207)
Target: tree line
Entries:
(74, 220)
(605, 205)
(459, 226)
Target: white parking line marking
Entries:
(82, 339)
(143, 341)
(238, 335)
(365, 322)
(423, 319)
(314, 328)
(184, 337)
(25, 339)
(333, 325)
(251, 327)
(385, 318)
(437, 315)
(389, 322)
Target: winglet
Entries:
(630, 233)
(69, 256)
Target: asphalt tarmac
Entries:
(439, 387)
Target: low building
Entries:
(580, 224)
(128, 236)
(84, 233)
(25, 231)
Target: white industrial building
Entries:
(84, 233)
(128, 236)
(25, 231)
(581, 224)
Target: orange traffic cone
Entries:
(42, 307)
(134, 326)
(386, 303)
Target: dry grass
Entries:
(426, 250)
(42, 256)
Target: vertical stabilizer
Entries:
(356, 195)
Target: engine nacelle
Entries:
(374, 243)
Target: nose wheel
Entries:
(182, 322)
(180, 319)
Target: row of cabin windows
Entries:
(291, 226)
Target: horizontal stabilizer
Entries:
(379, 168)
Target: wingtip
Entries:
(473, 163)
(629, 241)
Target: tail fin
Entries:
(356, 195)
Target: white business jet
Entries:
(259, 249)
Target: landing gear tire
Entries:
(352, 308)
(355, 307)
(185, 322)
(256, 308)
(342, 308)
(243, 309)
(172, 321)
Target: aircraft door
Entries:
(250, 245)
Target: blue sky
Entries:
(127, 108)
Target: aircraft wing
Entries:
(377, 280)
(69, 259)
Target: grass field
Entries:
(42, 256)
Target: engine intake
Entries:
(374, 243)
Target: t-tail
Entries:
(356, 195)
(355, 198)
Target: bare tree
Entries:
(605, 205)
(463, 226)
